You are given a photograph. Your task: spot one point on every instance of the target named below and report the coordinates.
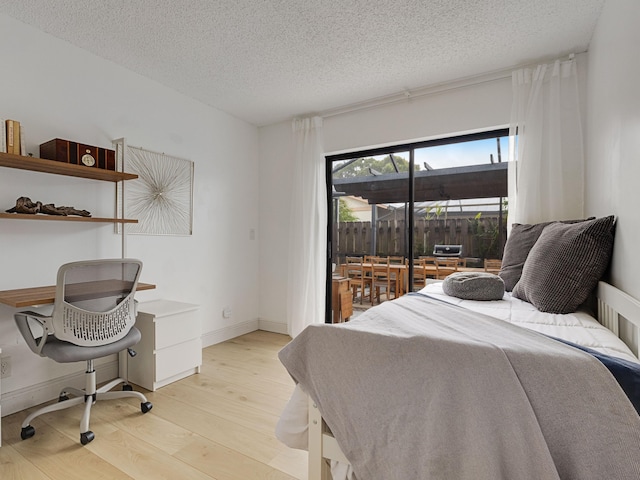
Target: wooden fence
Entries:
(480, 237)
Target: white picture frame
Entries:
(161, 198)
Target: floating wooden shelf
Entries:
(62, 218)
(59, 168)
(34, 164)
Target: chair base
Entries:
(88, 397)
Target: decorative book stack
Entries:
(12, 137)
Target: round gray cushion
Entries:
(474, 286)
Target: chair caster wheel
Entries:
(146, 406)
(27, 432)
(86, 437)
(127, 388)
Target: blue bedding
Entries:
(625, 372)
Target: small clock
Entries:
(88, 160)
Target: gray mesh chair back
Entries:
(94, 302)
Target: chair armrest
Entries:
(22, 322)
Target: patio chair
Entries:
(446, 266)
(396, 259)
(431, 265)
(355, 271)
(420, 274)
(381, 278)
(492, 265)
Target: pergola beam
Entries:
(475, 181)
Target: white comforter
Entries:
(579, 327)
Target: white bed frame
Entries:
(617, 311)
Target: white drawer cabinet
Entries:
(170, 348)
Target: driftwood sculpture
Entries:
(25, 205)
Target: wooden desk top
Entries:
(30, 297)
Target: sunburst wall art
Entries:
(161, 198)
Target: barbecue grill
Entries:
(447, 250)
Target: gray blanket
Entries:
(417, 389)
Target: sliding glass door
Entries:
(401, 203)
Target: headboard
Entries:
(620, 313)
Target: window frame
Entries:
(389, 150)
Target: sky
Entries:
(465, 153)
(475, 152)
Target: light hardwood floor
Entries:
(215, 425)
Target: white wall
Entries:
(613, 134)
(472, 108)
(59, 91)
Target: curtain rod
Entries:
(416, 93)
(407, 95)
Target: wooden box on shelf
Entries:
(78, 154)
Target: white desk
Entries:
(34, 296)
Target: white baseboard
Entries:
(234, 331)
(33, 395)
(271, 326)
(228, 333)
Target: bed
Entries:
(503, 395)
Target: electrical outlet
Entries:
(5, 367)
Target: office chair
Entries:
(93, 316)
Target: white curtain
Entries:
(549, 172)
(308, 228)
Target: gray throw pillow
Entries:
(565, 264)
(474, 286)
(521, 240)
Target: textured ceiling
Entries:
(265, 61)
